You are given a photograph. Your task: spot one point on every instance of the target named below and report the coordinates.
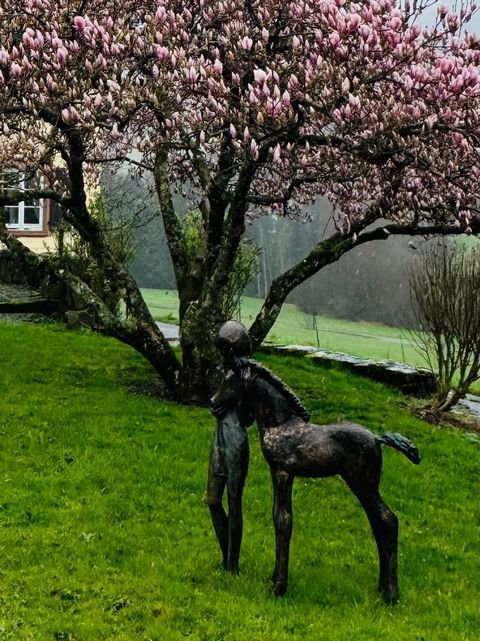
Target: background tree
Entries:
(370, 283)
(249, 107)
(445, 288)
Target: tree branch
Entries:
(217, 201)
(173, 229)
(13, 197)
(329, 251)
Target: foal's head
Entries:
(250, 384)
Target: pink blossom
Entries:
(334, 39)
(442, 11)
(354, 21)
(61, 55)
(446, 65)
(191, 75)
(15, 70)
(79, 23)
(247, 43)
(453, 22)
(217, 66)
(259, 76)
(396, 23)
(28, 40)
(162, 53)
(101, 61)
(354, 101)
(293, 83)
(66, 115)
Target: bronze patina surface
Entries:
(229, 454)
(293, 446)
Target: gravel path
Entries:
(170, 331)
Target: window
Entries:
(28, 214)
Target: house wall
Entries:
(38, 244)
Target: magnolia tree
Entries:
(253, 107)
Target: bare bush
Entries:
(445, 293)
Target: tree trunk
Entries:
(198, 331)
(150, 342)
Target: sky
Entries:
(472, 27)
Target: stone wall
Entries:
(38, 290)
(408, 379)
(34, 275)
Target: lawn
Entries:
(106, 534)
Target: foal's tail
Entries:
(402, 444)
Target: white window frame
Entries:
(21, 225)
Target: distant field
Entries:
(294, 326)
(370, 340)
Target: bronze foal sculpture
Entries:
(293, 447)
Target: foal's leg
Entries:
(215, 490)
(282, 519)
(384, 524)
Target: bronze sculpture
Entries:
(295, 447)
(229, 454)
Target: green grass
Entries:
(105, 534)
